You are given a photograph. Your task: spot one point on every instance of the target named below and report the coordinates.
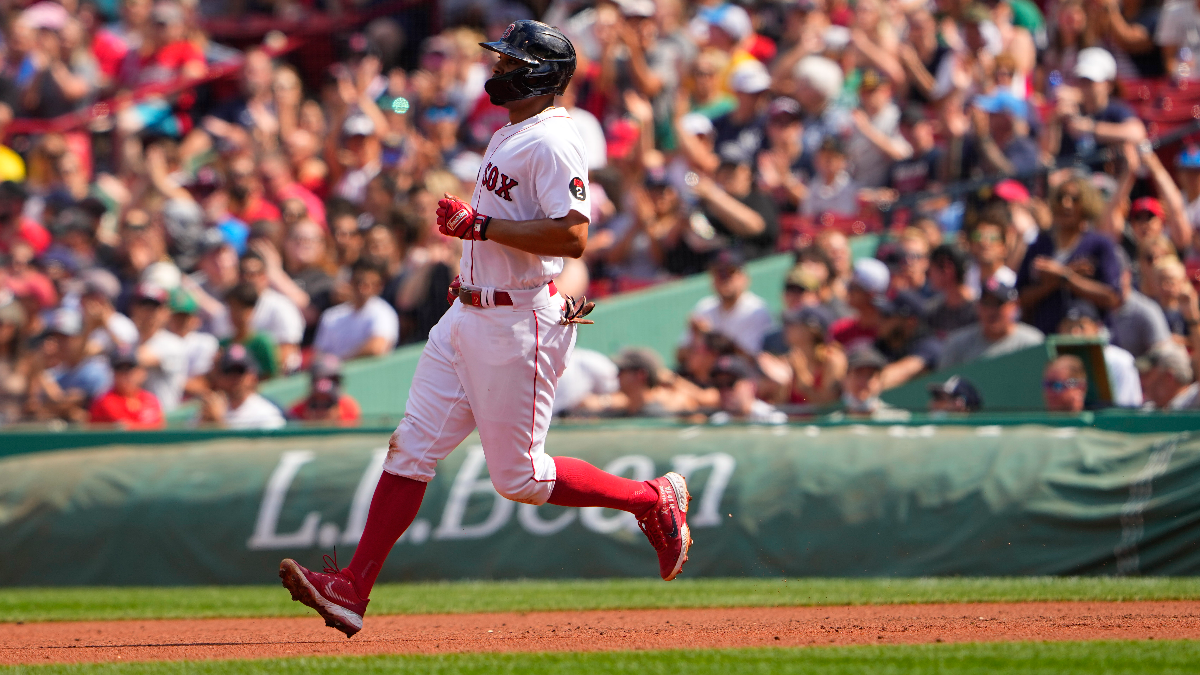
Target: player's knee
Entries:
(525, 490)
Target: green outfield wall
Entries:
(846, 500)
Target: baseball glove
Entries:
(574, 312)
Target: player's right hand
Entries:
(456, 218)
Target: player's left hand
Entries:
(456, 218)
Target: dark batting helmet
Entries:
(549, 61)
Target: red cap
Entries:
(1011, 191)
(1147, 204)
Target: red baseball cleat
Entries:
(666, 524)
(332, 594)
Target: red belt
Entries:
(475, 298)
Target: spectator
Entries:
(364, 326)
(201, 347)
(274, 314)
(1167, 378)
(235, 402)
(70, 380)
(1088, 116)
(876, 143)
(780, 172)
(818, 365)
(734, 311)
(1064, 384)
(1068, 261)
(161, 352)
(1137, 323)
(910, 271)
(956, 395)
(1172, 281)
(640, 390)
(326, 402)
(14, 376)
(127, 404)
(589, 376)
(832, 190)
(742, 217)
(105, 327)
(906, 341)
(867, 295)
(955, 305)
(989, 249)
(737, 381)
(1082, 320)
(864, 384)
(997, 333)
(242, 301)
(164, 55)
(742, 127)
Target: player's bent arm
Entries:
(566, 236)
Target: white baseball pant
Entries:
(495, 369)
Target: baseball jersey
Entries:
(534, 169)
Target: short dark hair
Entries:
(251, 255)
(947, 253)
(814, 254)
(244, 294)
(368, 264)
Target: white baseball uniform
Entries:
(497, 367)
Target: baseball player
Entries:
(494, 359)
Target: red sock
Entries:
(393, 508)
(580, 484)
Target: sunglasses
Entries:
(234, 370)
(1141, 216)
(1059, 386)
(981, 238)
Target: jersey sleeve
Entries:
(560, 175)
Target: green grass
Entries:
(1026, 658)
(77, 604)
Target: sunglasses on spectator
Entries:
(1059, 386)
(1141, 216)
(989, 238)
(234, 370)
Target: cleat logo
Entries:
(334, 595)
(674, 527)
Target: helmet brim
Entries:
(509, 50)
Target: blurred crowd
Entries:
(191, 237)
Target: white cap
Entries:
(750, 77)
(358, 125)
(637, 8)
(821, 74)
(66, 321)
(1095, 64)
(465, 166)
(836, 37)
(871, 275)
(696, 124)
(735, 21)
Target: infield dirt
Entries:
(142, 640)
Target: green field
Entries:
(1027, 658)
(76, 604)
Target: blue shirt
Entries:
(1097, 249)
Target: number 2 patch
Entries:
(578, 191)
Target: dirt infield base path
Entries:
(138, 640)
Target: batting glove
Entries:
(456, 218)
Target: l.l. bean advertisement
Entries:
(792, 501)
